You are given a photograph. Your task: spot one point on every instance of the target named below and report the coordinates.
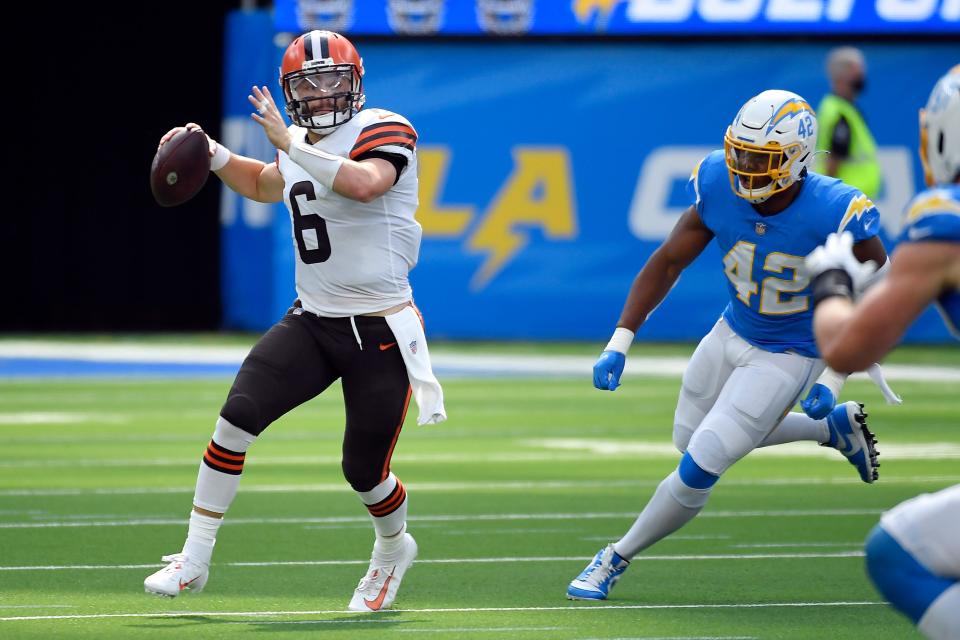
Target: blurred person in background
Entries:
(851, 150)
(913, 555)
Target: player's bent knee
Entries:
(693, 475)
(906, 583)
(231, 437)
(681, 437)
(360, 474)
(711, 451)
(243, 412)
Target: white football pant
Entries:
(733, 395)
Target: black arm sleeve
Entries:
(840, 140)
(398, 161)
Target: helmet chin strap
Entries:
(763, 193)
(324, 130)
(755, 196)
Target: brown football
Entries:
(180, 168)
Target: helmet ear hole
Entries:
(940, 143)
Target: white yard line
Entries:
(468, 487)
(557, 450)
(179, 522)
(797, 545)
(475, 629)
(461, 363)
(505, 560)
(634, 607)
(58, 417)
(676, 638)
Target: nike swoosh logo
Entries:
(848, 446)
(376, 603)
(916, 233)
(184, 585)
(384, 347)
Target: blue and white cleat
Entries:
(595, 582)
(850, 436)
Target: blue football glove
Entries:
(819, 402)
(608, 369)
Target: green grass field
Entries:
(508, 500)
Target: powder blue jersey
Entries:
(934, 216)
(762, 255)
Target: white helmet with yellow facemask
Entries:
(940, 131)
(770, 144)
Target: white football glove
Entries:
(837, 253)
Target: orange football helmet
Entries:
(322, 79)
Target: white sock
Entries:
(219, 475)
(389, 548)
(201, 536)
(796, 427)
(217, 483)
(673, 505)
(387, 504)
(941, 620)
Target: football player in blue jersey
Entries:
(767, 211)
(913, 555)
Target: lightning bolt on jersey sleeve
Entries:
(860, 217)
(693, 186)
(934, 216)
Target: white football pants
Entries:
(733, 395)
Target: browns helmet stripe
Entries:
(308, 46)
(324, 46)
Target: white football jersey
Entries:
(353, 257)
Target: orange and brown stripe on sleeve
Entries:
(385, 133)
(389, 504)
(223, 460)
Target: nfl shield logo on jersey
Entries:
(761, 228)
(413, 346)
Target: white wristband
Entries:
(621, 341)
(319, 164)
(220, 157)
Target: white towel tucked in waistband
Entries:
(411, 340)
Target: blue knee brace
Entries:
(907, 584)
(693, 476)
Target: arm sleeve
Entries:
(398, 161)
(840, 139)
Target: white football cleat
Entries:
(849, 435)
(378, 589)
(179, 575)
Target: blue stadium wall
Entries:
(551, 170)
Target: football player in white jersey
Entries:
(913, 555)
(348, 176)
